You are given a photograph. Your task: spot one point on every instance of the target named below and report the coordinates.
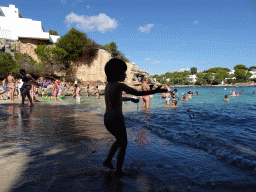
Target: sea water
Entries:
(205, 144)
(213, 140)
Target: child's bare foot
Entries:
(108, 164)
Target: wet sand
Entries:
(55, 148)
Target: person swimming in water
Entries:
(174, 104)
(115, 70)
(184, 98)
(226, 98)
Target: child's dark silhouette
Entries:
(115, 70)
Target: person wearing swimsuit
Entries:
(173, 95)
(55, 90)
(11, 86)
(145, 98)
(25, 89)
(167, 94)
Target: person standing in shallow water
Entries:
(145, 98)
(11, 86)
(115, 70)
(25, 89)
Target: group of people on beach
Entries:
(12, 87)
(21, 88)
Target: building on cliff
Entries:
(13, 26)
(24, 35)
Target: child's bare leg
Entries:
(121, 155)
(112, 151)
(116, 126)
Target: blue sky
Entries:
(159, 36)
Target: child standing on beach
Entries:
(115, 70)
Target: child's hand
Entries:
(135, 100)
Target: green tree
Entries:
(115, 53)
(52, 32)
(193, 70)
(217, 69)
(77, 45)
(208, 77)
(25, 61)
(7, 64)
(252, 68)
(200, 81)
(240, 66)
(242, 74)
(112, 49)
(52, 58)
(219, 77)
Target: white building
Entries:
(253, 74)
(14, 26)
(231, 72)
(192, 78)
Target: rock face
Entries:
(23, 45)
(7, 46)
(93, 72)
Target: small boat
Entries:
(52, 97)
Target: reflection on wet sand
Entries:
(61, 148)
(56, 148)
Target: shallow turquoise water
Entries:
(216, 138)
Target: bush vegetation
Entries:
(62, 57)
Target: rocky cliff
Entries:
(92, 73)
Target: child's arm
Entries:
(133, 91)
(127, 99)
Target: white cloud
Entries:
(87, 6)
(196, 22)
(152, 61)
(155, 62)
(184, 69)
(101, 23)
(146, 28)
